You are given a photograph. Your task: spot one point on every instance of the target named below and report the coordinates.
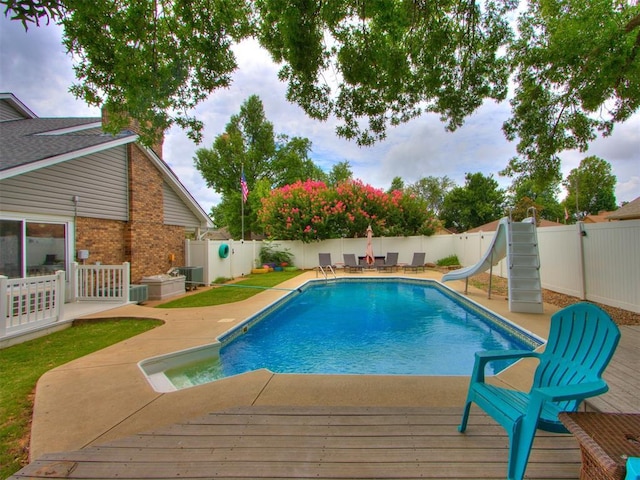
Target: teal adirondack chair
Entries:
(582, 340)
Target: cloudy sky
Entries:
(35, 68)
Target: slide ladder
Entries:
(523, 262)
(518, 242)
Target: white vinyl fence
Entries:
(597, 262)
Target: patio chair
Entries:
(350, 263)
(325, 265)
(324, 260)
(582, 340)
(417, 263)
(390, 263)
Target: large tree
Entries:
(525, 194)
(577, 72)
(479, 201)
(590, 188)
(340, 173)
(433, 190)
(249, 146)
(371, 64)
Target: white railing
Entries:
(28, 303)
(100, 283)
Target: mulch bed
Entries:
(499, 287)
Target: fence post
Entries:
(4, 305)
(581, 264)
(208, 273)
(126, 278)
(73, 282)
(60, 294)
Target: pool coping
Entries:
(104, 395)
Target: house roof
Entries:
(630, 211)
(30, 143)
(492, 226)
(17, 105)
(601, 217)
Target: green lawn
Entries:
(22, 365)
(232, 292)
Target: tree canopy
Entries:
(432, 190)
(371, 64)
(590, 188)
(478, 202)
(249, 146)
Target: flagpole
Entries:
(242, 200)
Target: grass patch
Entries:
(448, 261)
(232, 292)
(22, 365)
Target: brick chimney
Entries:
(134, 126)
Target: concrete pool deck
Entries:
(105, 396)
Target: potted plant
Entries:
(260, 268)
(276, 259)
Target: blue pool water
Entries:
(362, 327)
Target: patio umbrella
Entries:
(368, 254)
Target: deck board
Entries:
(315, 442)
(622, 375)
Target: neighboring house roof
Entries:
(17, 105)
(630, 211)
(601, 217)
(219, 234)
(492, 226)
(30, 143)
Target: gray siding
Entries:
(99, 180)
(175, 210)
(7, 112)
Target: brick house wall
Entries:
(148, 241)
(150, 246)
(103, 238)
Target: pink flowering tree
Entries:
(311, 211)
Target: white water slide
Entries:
(519, 243)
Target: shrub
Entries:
(448, 261)
(269, 254)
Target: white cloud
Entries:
(35, 68)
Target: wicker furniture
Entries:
(606, 440)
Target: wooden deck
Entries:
(622, 376)
(315, 442)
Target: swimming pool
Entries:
(390, 326)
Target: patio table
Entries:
(606, 441)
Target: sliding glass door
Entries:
(32, 248)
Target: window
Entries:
(32, 248)
(11, 248)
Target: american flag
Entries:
(244, 187)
